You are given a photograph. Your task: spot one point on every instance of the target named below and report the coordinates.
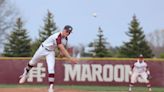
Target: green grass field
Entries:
(90, 88)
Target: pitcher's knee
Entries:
(32, 63)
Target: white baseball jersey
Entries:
(140, 67)
(51, 42)
(47, 50)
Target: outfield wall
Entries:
(86, 72)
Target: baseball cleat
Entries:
(130, 89)
(23, 77)
(150, 89)
(51, 88)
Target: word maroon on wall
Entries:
(86, 72)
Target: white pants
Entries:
(50, 58)
(135, 75)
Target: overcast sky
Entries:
(113, 16)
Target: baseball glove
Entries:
(149, 77)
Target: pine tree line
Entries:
(136, 46)
(19, 44)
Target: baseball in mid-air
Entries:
(94, 14)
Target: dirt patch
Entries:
(46, 90)
(39, 90)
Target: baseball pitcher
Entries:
(46, 49)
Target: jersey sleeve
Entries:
(59, 39)
(132, 66)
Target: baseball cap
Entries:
(68, 28)
(140, 56)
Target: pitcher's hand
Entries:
(73, 60)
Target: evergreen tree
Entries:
(137, 44)
(48, 29)
(99, 45)
(18, 44)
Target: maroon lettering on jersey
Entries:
(59, 39)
